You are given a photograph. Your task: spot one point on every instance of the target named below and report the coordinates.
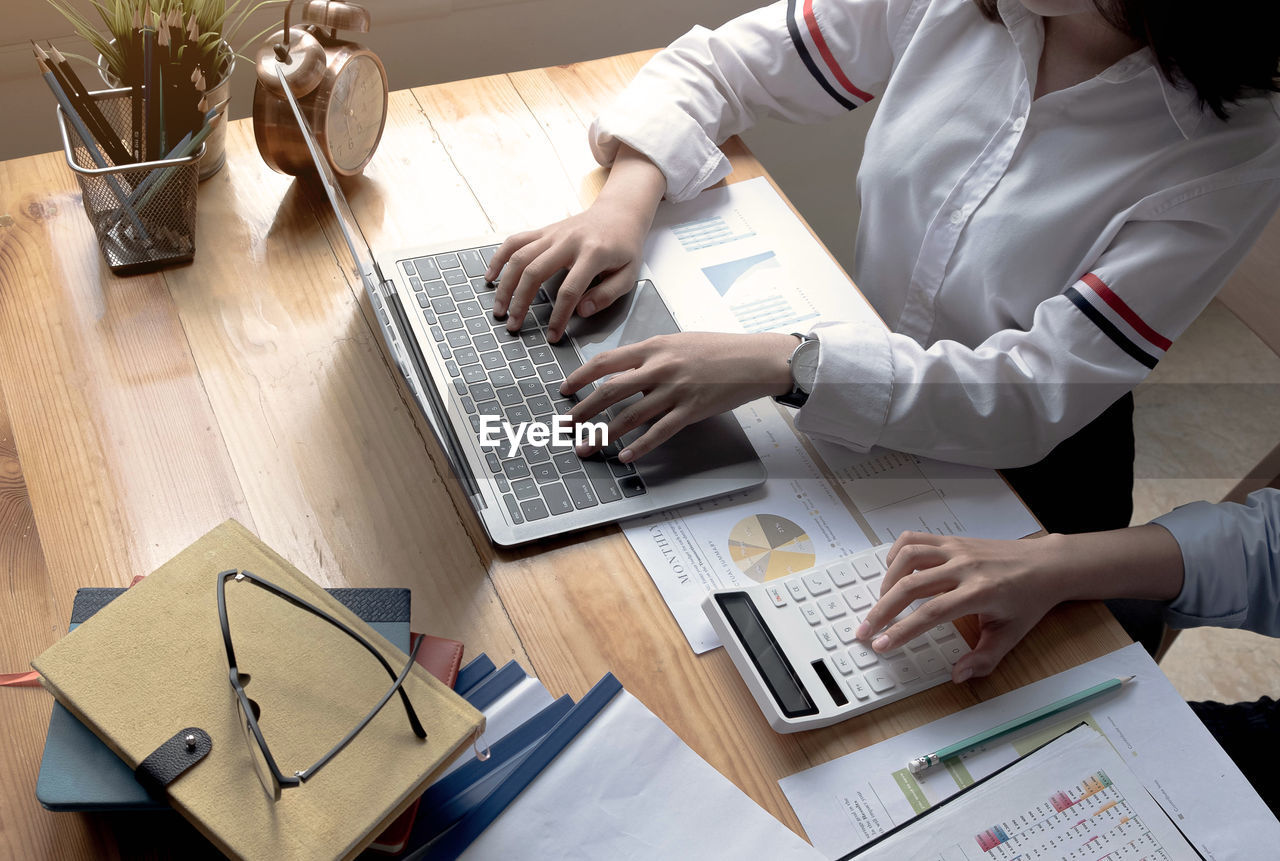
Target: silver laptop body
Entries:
(434, 310)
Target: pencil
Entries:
(162, 51)
(76, 91)
(134, 73)
(150, 103)
(78, 124)
(923, 763)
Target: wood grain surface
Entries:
(137, 413)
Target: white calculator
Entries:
(792, 640)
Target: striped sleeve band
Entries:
(817, 57)
(1117, 320)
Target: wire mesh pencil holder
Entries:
(143, 214)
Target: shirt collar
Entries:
(1180, 100)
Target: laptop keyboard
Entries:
(515, 377)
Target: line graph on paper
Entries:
(1091, 821)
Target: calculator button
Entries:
(832, 607)
(818, 582)
(777, 595)
(931, 663)
(842, 663)
(863, 656)
(880, 680)
(954, 649)
(796, 588)
(811, 614)
(858, 687)
(841, 574)
(845, 631)
(882, 554)
(904, 670)
(857, 597)
(920, 642)
(827, 638)
(868, 567)
(941, 632)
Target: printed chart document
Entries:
(849, 801)
(736, 259)
(1072, 799)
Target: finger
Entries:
(617, 388)
(913, 557)
(658, 433)
(610, 362)
(636, 415)
(532, 278)
(608, 290)
(994, 642)
(504, 252)
(936, 610)
(575, 285)
(909, 538)
(520, 258)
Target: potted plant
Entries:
(203, 33)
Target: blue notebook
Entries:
(79, 772)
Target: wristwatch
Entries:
(804, 370)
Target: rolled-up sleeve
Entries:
(1231, 564)
(799, 61)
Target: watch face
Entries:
(355, 113)
(804, 365)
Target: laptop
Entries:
(478, 386)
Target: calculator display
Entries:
(765, 653)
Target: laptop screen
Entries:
(359, 246)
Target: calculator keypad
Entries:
(815, 614)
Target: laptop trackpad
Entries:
(716, 444)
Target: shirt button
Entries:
(957, 216)
(1019, 124)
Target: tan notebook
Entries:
(153, 662)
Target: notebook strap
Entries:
(170, 760)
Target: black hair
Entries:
(1225, 51)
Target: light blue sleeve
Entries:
(1231, 560)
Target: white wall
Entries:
(430, 41)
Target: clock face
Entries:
(355, 113)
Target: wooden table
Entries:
(137, 413)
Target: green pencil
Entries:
(923, 763)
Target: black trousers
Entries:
(1086, 485)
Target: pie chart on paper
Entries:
(767, 547)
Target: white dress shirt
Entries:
(1230, 562)
(1033, 259)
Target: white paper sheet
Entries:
(1073, 800)
(737, 259)
(628, 788)
(848, 801)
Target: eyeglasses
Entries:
(251, 710)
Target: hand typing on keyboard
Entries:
(600, 247)
(682, 378)
(1004, 583)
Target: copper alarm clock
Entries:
(340, 86)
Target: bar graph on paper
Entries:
(713, 230)
(1089, 822)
